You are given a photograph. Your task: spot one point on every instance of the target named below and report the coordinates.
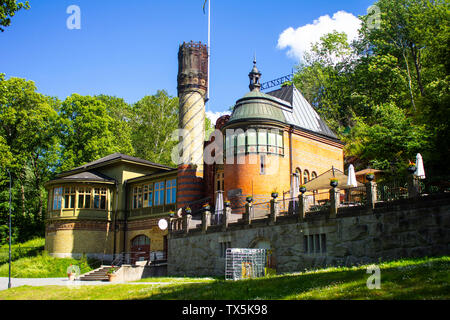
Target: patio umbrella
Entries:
(322, 182)
(295, 185)
(351, 180)
(420, 171)
(219, 207)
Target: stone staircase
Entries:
(99, 274)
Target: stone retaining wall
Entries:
(406, 228)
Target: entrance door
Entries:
(140, 249)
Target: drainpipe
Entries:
(115, 220)
(125, 225)
(290, 151)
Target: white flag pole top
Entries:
(351, 180)
(420, 171)
(209, 46)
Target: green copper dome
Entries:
(257, 105)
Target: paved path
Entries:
(17, 282)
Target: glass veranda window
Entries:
(251, 141)
(84, 198)
(57, 198)
(100, 198)
(171, 191)
(148, 195)
(69, 197)
(159, 193)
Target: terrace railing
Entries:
(354, 197)
(392, 190)
(331, 202)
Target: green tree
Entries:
(120, 113)
(8, 9)
(398, 71)
(153, 120)
(386, 139)
(29, 125)
(89, 130)
(324, 81)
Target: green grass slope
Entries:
(27, 249)
(29, 260)
(426, 278)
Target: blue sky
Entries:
(129, 48)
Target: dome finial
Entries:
(254, 76)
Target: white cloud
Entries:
(300, 40)
(213, 116)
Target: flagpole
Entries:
(209, 46)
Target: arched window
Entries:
(141, 240)
(220, 181)
(297, 177)
(305, 176)
(313, 175)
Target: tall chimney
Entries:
(192, 88)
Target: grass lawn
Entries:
(426, 278)
(29, 260)
(27, 249)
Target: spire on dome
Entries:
(254, 76)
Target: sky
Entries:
(129, 48)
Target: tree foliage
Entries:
(153, 120)
(386, 94)
(29, 125)
(8, 9)
(93, 127)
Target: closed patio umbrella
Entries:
(351, 180)
(420, 171)
(219, 207)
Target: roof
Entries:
(85, 176)
(114, 158)
(284, 93)
(152, 175)
(258, 105)
(300, 113)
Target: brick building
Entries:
(272, 141)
